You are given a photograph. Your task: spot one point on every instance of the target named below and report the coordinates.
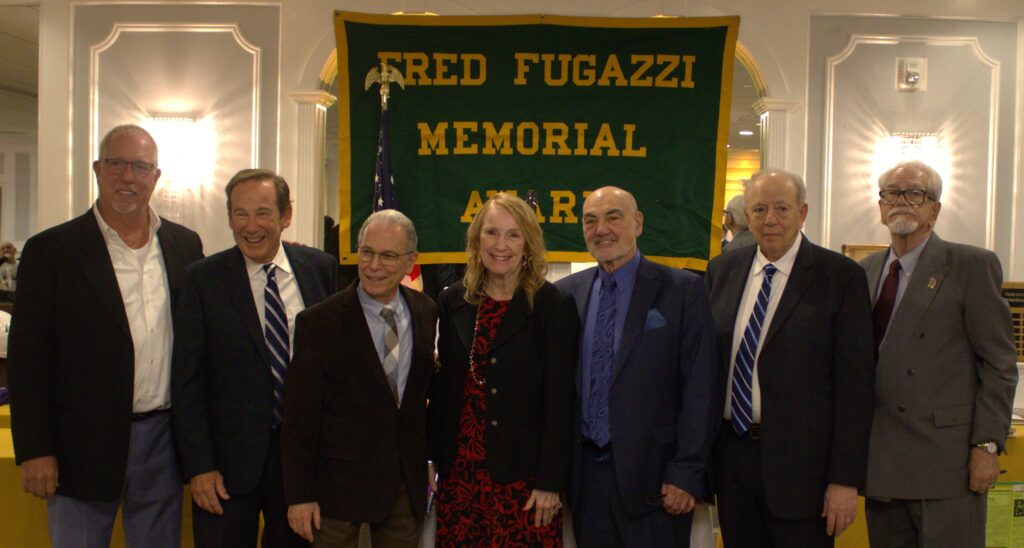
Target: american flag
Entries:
(384, 192)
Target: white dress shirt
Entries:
(287, 286)
(142, 279)
(754, 279)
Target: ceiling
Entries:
(19, 82)
(19, 70)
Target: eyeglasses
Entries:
(386, 258)
(780, 211)
(913, 196)
(117, 167)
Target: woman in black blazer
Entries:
(500, 412)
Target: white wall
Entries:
(776, 32)
(968, 104)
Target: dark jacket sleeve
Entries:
(303, 403)
(189, 365)
(30, 362)
(560, 332)
(699, 415)
(854, 370)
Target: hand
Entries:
(840, 508)
(207, 490)
(39, 476)
(984, 469)
(432, 477)
(675, 500)
(301, 516)
(547, 504)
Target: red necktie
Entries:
(886, 302)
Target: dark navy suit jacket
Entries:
(662, 403)
(221, 388)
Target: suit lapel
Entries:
(873, 269)
(581, 293)
(305, 276)
(235, 279)
(922, 288)
(733, 286)
(94, 260)
(516, 318)
(645, 288)
(354, 320)
(174, 261)
(799, 280)
(421, 343)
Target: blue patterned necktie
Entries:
(742, 377)
(601, 360)
(275, 330)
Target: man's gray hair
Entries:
(798, 182)
(934, 180)
(391, 217)
(126, 128)
(736, 209)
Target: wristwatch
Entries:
(990, 447)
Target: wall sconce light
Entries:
(904, 146)
(187, 157)
(911, 73)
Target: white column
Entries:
(773, 113)
(307, 201)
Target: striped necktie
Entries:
(275, 331)
(390, 361)
(742, 376)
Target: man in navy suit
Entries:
(645, 417)
(793, 323)
(234, 329)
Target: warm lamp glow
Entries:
(904, 147)
(187, 158)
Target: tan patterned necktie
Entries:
(390, 361)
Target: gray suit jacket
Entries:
(946, 373)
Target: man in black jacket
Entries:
(89, 360)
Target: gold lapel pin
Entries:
(932, 283)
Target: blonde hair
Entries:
(534, 268)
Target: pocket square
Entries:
(654, 320)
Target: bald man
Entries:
(645, 416)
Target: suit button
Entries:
(494, 423)
(901, 409)
(911, 372)
(494, 390)
(494, 360)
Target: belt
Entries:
(753, 431)
(600, 454)
(149, 414)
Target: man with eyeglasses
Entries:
(89, 358)
(235, 326)
(354, 447)
(946, 373)
(793, 323)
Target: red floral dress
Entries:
(473, 509)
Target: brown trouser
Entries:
(401, 529)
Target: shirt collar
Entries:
(909, 260)
(785, 262)
(624, 273)
(280, 261)
(373, 306)
(108, 233)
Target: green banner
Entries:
(557, 105)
